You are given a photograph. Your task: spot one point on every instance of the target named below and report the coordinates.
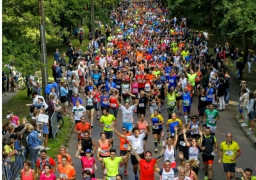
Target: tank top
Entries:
(104, 148)
(167, 175)
(135, 89)
(169, 154)
(192, 125)
(147, 87)
(125, 87)
(86, 144)
(89, 101)
(113, 102)
(193, 153)
(142, 103)
(96, 97)
(27, 177)
(88, 163)
(142, 126)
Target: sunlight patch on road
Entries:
(233, 102)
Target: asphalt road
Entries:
(225, 124)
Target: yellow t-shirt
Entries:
(108, 121)
(175, 49)
(171, 120)
(8, 149)
(184, 54)
(229, 151)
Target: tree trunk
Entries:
(245, 46)
(92, 19)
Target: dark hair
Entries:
(41, 99)
(14, 136)
(43, 151)
(134, 129)
(248, 170)
(112, 150)
(107, 110)
(86, 132)
(102, 133)
(65, 157)
(50, 167)
(27, 162)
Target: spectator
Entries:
(64, 98)
(13, 119)
(59, 71)
(56, 55)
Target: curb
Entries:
(251, 137)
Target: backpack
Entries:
(48, 88)
(47, 162)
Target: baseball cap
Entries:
(9, 114)
(88, 151)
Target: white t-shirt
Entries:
(78, 112)
(137, 143)
(167, 175)
(127, 114)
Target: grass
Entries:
(18, 103)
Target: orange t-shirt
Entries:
(59, 156)
(190, 90)
(150, 78)
(82, 127)
(139, 56)
(68, 170)
(181, 45)
(124, 142)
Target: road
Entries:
(225, 124)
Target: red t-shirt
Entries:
(51, 161)
(147, 169)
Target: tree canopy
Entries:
(21, 22)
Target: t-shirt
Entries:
(112, 165)
(88, 163)
(14, 120)
(82, 127)
(38, 164)
(8, 149)
(124, 142)
(52, 177)
(127, 114)
(68, 170)
(211, 116)
(108, 121)
(137, 143)
(192, 78)
(229, 151)
(147, 169)
(186, 178)
(78, 112)
(59, 156)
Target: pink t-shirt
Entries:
(14, 120)
(52, 177)
(88, 164)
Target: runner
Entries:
(228, 153)
(136, 141)
(193, 127)
(171, 124)
(211, 116)
(142, 125)
(186, 103)
(156, 122)
(209, 148)
(171, 96)
(63, 152)
(81, 127)
(87, 143)
(90, 106)
(66, 171)
(107, 121)
(77, 112)
(111, 163)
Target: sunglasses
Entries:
(123, 129)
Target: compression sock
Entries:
(186, 119)
(155, 142)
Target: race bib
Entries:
(182, 143)
(63, 176)
(105, 102)
(125, 146)
(172, 103)
(159, 86)
(171, 81)
(103, 151)
(96, 81)
(89, 104)
(143, 130)
(112, 178)
(95, 100)
(203, 98)
(229, 153)
(168, 177)
(210, 96)
(155, 127)
(212, 121)
(118, 86)
(193, 157)
(186, 102)
(141, 105)
(140, 81)
(135, 90)
(113, 105)
(107, 126)
(90, 169)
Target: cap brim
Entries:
(8, 116)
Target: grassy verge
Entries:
(18, 103)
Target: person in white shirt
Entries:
(181, 175)
(136, 140)
(77, 112)
(127, 115)
(35, 100)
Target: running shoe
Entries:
(250, 132)
(205, 177)
(98, 117)
(159, 142)
(156, 150)
(244, 125)
(121, 164)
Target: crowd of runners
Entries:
(147, 63)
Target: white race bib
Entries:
(141, 105)
(203, 98)
(155, 127)
(90, 169)
(159, 86)
(172, 103)
(170, 158)
(125, 146)
(63, 176)
(118, 86)
(105, 102)
(229, 153)
(137, 148)
(112, 178)
(182, 143)
(193, 157)
(168, 177)
(103, 151)
(186, 102)
(113, 105)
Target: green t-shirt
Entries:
(171, 99)
(211, 116)
(112, 165)
(108, 121)
(156, 73)
(192, 78)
